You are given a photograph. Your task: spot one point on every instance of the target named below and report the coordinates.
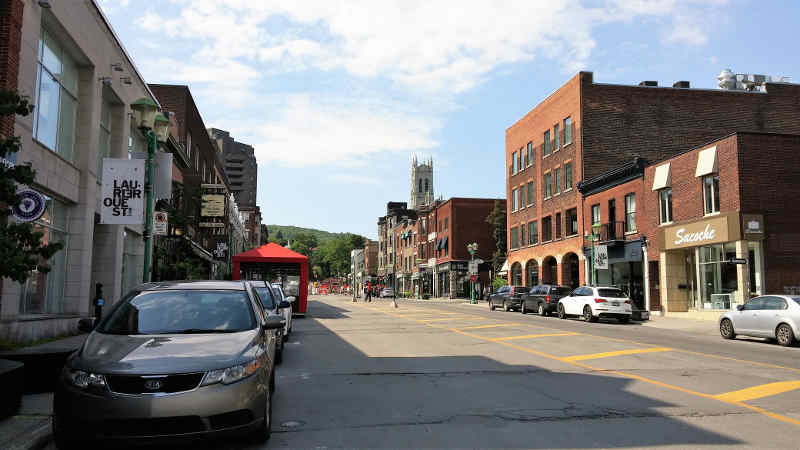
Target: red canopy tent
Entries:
(272, 260)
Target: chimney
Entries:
(681, 85)
(649, 83)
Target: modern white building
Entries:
(75, 69)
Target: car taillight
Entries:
(600, 300)
(547, 299)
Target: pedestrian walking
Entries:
(368, 298)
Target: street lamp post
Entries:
(155, 128)
(472, 248)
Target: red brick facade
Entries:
(10, 41)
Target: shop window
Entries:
(596, 214)
(529, 154)
(711, 193)
(547, 186)
(568, 131)
(43, 293)
(558, 225)
(630, 213)
(530, 193)
(533, 233)
(56, 97)
(514, 238)
(546, 143)
(665, 202)
(718, 281)
(572, 222)
(547, 229)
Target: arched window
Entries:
(426, 185)
(420, 185)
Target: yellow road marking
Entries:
(531, 336)
(495, 325)
(764, 390)
(616, 353)
(445, 319)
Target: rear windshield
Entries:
(265, 294)
(796, 299)
(613, 293)
(182, 312)
(559, 290)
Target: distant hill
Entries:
(288, 232)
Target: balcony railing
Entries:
(610, 233)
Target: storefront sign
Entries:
(753, 226)
(160, 223)
(31, 206)
(122, 191)
(601, 257)
(704, 232)
(213, 205)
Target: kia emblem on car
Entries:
(153, 385)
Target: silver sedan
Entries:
(768, 316)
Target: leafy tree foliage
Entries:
(21, 249)
(497, 220)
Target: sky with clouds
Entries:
(337, 96)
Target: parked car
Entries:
(271, 303)
(171, 359)
(507, 297)
(592, 302)
(387, 292)
(544, 299)
(287, 313)
(768, 316)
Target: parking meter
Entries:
(98, 302)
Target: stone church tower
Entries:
(421, 183)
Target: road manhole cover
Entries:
(292, 424)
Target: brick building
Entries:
(371, 257)
(585, 129)
(395, 211)
(405, 235)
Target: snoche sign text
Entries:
(714, 230)
(122, 191)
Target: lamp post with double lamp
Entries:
(155, 128)
(472, 249)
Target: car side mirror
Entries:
(291, 299)
(740, 307)
(274, 323)
(86, 325)
(284, 304)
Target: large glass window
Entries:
(630, 213)
(568, 131)
(42, 293)
(56, 98)
(547, 143)
(665, 202)
(533, 233)
(718, 282)
(711, 193)
(530, 193)
(547, 186)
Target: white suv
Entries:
(287, 312)
(592, 302)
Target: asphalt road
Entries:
(455, 375)
(425, 375)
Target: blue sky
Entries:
(336, 97)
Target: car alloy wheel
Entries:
(587, 314)
(784, 335)
(262, 433)
(541, 310)
(561, 313)
(491, 305)
(726, 329)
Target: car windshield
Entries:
(613, 293)
(265, 294)
(182, 312)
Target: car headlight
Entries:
(82, 379)
(233, 374)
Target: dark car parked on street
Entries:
(171, 359)
(507, 297)
(544, 299)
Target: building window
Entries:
(665, 202)
(557, 179)
(711, 193)
(533, 233)
(514, 238)
(522, 233)
(513, 200)
(558, 225)
(572, 222)
(530, 154)
(420, 185)
(43, 293)
(546, 142)
(596, 214)
(530, 193)
(547, 229)
(427, 185)
(56, 98)
(547, 186)
(556, 138)
(446, 219)
(567, 176)
(521, 190)
(630, 213)
(513, 163)
(568, 131)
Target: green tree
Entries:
(21, 249)
(497, 220)
(304, 243)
